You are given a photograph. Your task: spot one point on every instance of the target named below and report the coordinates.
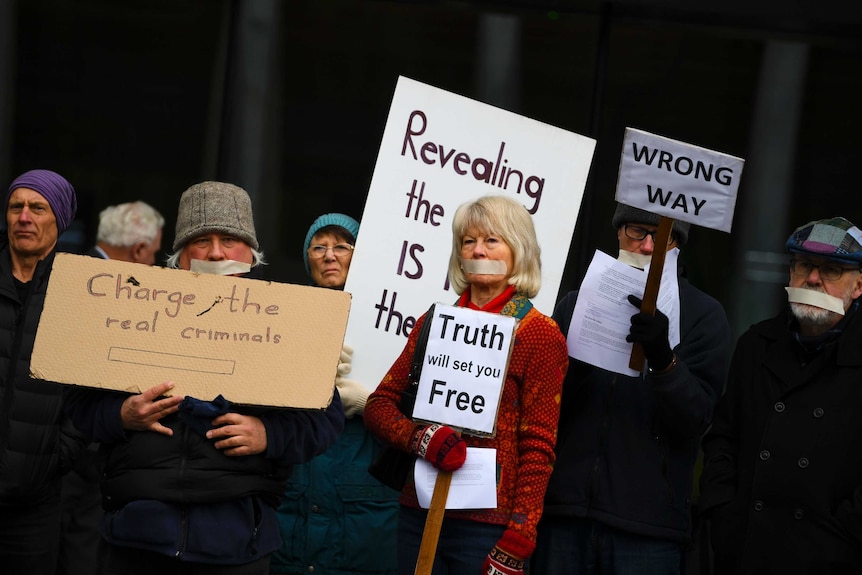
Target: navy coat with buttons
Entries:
(782, 481)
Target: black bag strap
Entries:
(408, 396)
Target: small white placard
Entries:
(678, 180)
(464, 368)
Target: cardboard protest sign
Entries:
(678, 180)
(127, 327)
(464, 368)
(438, 151)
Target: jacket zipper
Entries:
(603, 438)
(183, 528)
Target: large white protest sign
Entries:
(464, 368)
(678, 180)
(438, 151)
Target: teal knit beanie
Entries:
(340, 220)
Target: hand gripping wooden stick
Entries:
(648, 304)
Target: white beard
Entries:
(816, 317)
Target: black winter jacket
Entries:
(182, 497)
(782, 480)
(37, 441)
(186, 468)
(627, 446)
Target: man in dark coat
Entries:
(37, 442)
(619, 499)
(130, 232)
(782, 482)
(191, 485)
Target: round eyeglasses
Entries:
(828, 272)
(338, 250)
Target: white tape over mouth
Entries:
(815, 298)
(221, 268)
(484, 267)
(635, 260)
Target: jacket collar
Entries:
(784, 363)
(7, 283)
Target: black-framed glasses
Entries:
(828, 272)
(639, 234)
(338, 250)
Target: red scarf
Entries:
(494, 306)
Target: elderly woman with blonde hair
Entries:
(495, 267)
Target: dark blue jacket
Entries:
(627, 446)
(335, 518)
(180, 496)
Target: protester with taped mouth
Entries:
(37, 441)
(495, 266)
(620, 497)
(335, 518)
(191, 484)
(782, 480)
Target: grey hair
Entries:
(124, 225)
(510, 220)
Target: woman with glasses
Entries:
(335, 517)
(495, 267)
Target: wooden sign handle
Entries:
(433, 523)
(648, 305)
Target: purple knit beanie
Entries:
(54, 188)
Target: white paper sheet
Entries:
(602, 317)
(474, 485)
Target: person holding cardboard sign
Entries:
(192, 485)
(782, 481)
(37, 441)
(495, 267)
(335, 517)
(621, 489)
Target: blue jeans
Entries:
(568, 546)
(461, 550)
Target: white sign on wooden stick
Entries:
(438, 151)
(464, 368)
(678, 180)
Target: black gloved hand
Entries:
(651, 332)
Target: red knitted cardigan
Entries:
(526, 420)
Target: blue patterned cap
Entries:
(835, 239)
(340, 220)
